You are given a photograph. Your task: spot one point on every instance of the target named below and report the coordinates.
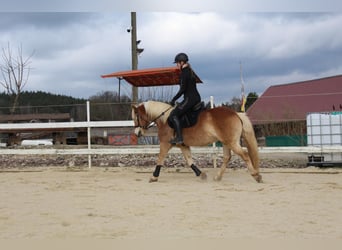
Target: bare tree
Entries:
(160, 93)
(234, 104)
(15, 71)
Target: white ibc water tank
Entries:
(324, 128)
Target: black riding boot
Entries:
(178, 129)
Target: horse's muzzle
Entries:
(138, 132)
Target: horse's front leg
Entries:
(188, 158)
(163, 150)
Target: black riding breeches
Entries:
(183, 107)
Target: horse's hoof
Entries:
(258, 178)
(153, 179)
(218, 178)
(203, 176)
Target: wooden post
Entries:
(134, 53)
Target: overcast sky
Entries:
(72, 49)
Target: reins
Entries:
(150, 123)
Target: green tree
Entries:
(235, 102)
(251, 98)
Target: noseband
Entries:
(149, 123)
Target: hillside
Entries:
(104, 106)
(30, 99)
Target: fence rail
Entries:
(154, 149)
(145, 149)
(62, 125)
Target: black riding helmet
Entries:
(181, 57)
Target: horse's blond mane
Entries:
(155, 109)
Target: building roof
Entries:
(150, 77)
(292, 102)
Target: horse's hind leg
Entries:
(188, 158)
(226, 158)
(244, 155)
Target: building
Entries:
(282, 109)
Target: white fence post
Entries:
(89, 135)
(214, 143)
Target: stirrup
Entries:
(176, 141)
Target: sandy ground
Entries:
(119, 203)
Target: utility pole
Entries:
(134, 53)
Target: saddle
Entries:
(190, 118)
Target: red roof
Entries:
(150, 77)
(291, 102)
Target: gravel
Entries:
(144, 160)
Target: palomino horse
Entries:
(217, 124)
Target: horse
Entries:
(217, 124)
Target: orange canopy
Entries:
(150, 77)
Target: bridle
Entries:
(151, 123)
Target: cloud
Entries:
(246, 35)
(175, 5)
(70, 57)
(72, 49)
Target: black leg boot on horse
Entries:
(178, 140)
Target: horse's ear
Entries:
(134, 106)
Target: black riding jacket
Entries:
(189, 90)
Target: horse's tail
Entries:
(249, 138)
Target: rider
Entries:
(191, 95)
